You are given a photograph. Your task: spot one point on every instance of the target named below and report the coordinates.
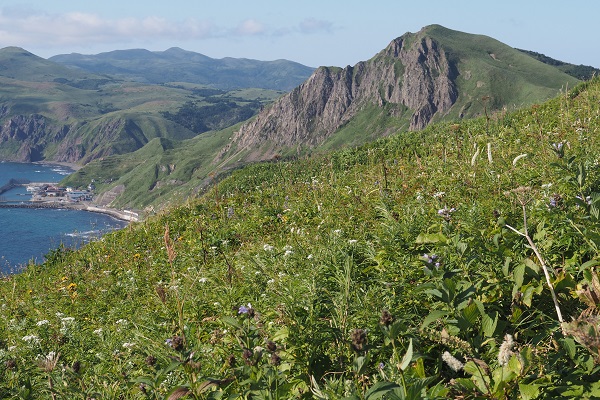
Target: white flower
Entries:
(121, 322)
(98, 331)
(287, 248)
(68, 320)
(454, 364)
(438, 195)
(352, 241)
(31, 339)
(337, 231)
(310, 257)
(288, 253)
(43, 322)
(11, 348)
(128, 345)
(203, 280)
(506, 350)
(268, 247)
(271, 281)
(59, 314)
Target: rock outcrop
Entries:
(30, 134)
(412, 71)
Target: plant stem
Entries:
(543, 264)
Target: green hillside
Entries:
(54, 113)
(411, 267)
(583, 72)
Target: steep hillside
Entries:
(53, 113)
(177, 65)
(434, 74)
(459, 261)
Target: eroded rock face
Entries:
(411, 71)
(32, 133)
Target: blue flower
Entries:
(243, 310)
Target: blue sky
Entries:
(312, 32)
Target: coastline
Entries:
(73, 166)
(122, 215)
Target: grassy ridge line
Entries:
(318, 247)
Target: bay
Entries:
(27, 234)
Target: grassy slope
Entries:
(348, 232)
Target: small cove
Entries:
(30, 233)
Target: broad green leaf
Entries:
(425, 238)
(469, 315)
(518, 274)
(433, 316)
(360, 364)
(529, 392)
(231, 321)
(489, 324)
(568, 344)
(379, 389)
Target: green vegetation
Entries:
(582, 72)
(79, 116)
(411, 267)
(177, 65)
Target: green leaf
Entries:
(433, 316)
(489, 324)
(469, 316)
(360, 364)
(568, 344)
(407, 357)
(231, 321)
(425, 238)
(379, 389)
(529, 392)
(518, 274)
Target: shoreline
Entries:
(122, 215)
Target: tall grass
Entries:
(383, 271)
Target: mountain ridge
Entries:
(422, 76)
(179, 65)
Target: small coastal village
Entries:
(50, 194)
(43, 192)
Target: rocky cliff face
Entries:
(31, 134)
(412, 71)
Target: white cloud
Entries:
(312, 25)
(42, 29)
(250, 27)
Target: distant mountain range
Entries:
(177, 65)
(59, 112)
(156, 125)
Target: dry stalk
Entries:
(525, 234)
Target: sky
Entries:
(311, 32)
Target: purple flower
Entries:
(381, 365)
(245, 309)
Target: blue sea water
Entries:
(30, 233)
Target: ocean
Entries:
(30, 233)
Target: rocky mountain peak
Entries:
(412, 71)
